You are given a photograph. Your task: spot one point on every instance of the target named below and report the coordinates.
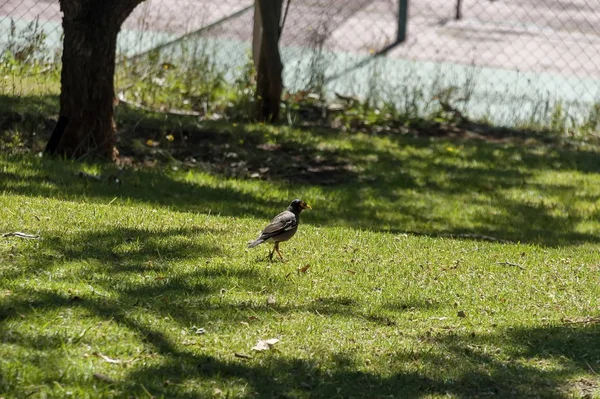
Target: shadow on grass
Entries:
(431, 186)
(541, 362)
(126, 250)
(462, 373)
(536, 362)
(522, 362)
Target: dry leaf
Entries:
(304, 269)
(242, 355)
(264, 345)
(271, 300)
(352, 272)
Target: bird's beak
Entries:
(306, 206)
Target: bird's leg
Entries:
(276, 248)
(271, 253)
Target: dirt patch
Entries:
(584, 388)
(237, 154)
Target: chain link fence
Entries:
(507, 61)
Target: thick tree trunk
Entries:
(269, 79)
(87, 123)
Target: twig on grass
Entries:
(21, 235)
(176, 112)
(478, 237)
(507, 263)
(591, 368)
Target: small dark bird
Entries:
(282, 227)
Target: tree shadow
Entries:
(465, 370)
(404, 184)
(126, 250)
(546, 361)
(535, 362)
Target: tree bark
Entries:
(269, 79)
(87, 79)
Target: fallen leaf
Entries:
(304, 269)
(244, 323)
(264, 345)
(352, 272)
(217, 392)
(271, 300)
(242, 355)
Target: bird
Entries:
(282, 227)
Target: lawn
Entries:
(428, 267)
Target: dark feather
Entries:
(285, 221)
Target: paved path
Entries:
(544, 49)
(560, 36)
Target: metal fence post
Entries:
(402, 20)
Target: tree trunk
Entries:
(269, 79)
(87, 123)
(256, 35)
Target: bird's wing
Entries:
(285, 221)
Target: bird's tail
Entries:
(254, 243)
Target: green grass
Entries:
(429, 266)
(396, 245)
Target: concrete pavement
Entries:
(522, 52)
